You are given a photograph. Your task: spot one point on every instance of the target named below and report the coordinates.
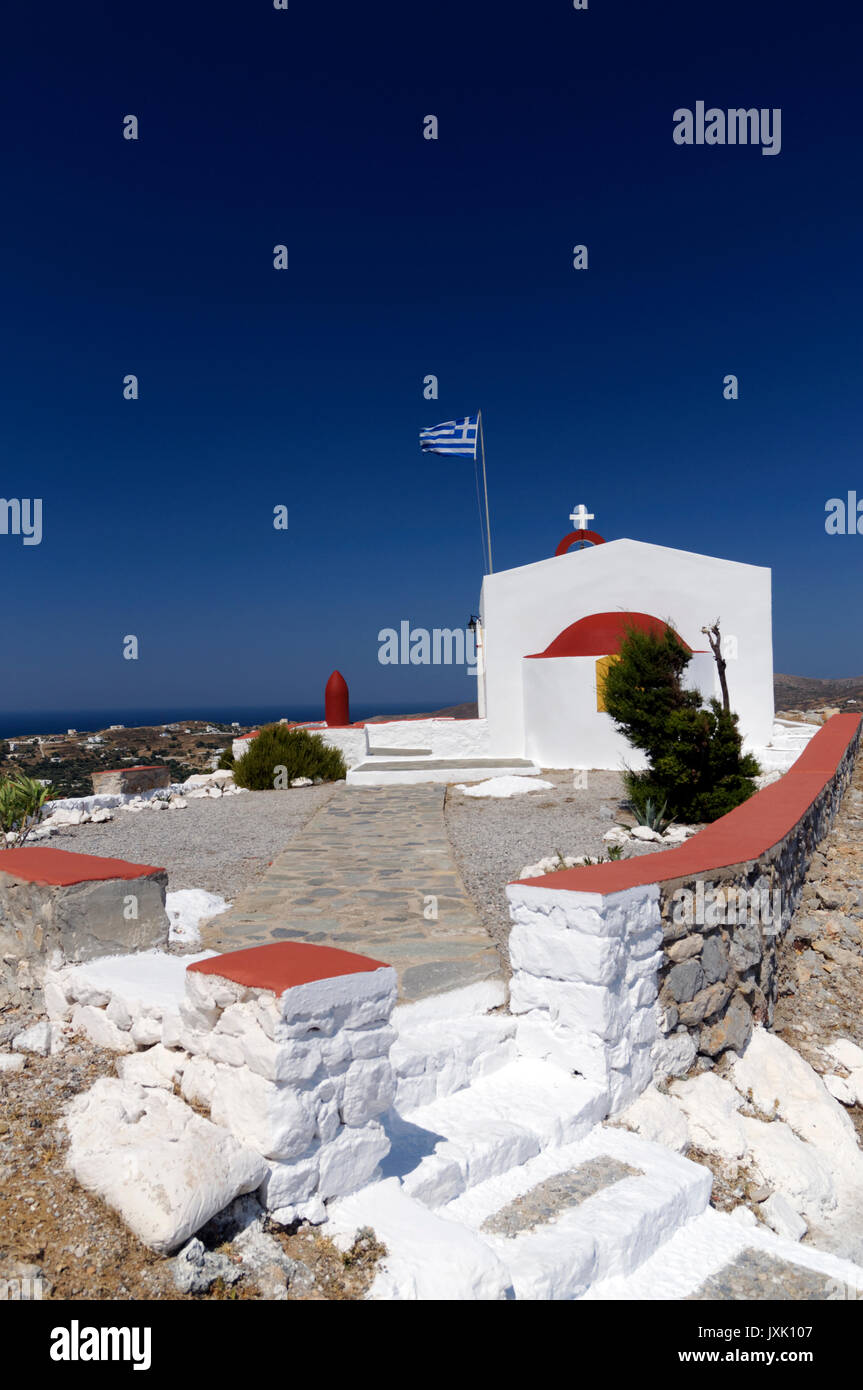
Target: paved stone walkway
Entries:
(372, 871)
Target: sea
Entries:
(14, 722)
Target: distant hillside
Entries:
(811, 692)
(465, 711)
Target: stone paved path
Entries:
(368, 873)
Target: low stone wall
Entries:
(721, 935)
(126, 780)
(719, 905)
(57, 907)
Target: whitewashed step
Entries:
(709, 1243)
(436, 1057)
(610, 1233)
(380, 772)
(497, 1123)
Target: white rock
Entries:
(504, 786)
(617, 835)
(164, 1169)
(790, 1166)
(186, 909)
(199, 1080)
(64, 817)
(9, 1062)
(289, 1183)
(847, 1054)
(156, 1067)
(99, 816)
(177, 803)
(678, 833)
(95, 1025)
(711, 1107)
(301, 782)
(118, 1013)
(782, 1082)
(57, 1005)
(644, 832)
(146, 1031)
(744, 1216)
(840, 1088)
(464, 1266)
(782, 1218)
(213, 791)
(657, 1117)
(43, 1038)
(222, 775)
(673, 1055)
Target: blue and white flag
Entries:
(453, 437)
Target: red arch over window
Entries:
(601, 634)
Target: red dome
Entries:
(601, 634)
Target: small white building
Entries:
(548, 630)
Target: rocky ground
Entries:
(820, 989)
(821, 962)
(220, 845)
(51, 1229)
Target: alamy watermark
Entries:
(731, 906)
(422, 646)
(22, 516)
(845, 517)
(737, 126)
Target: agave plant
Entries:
(649, 814)
(21, 802)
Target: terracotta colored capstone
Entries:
(740, 837)
(60, 868)
(336, 701)
(601, 634)
(285, 964)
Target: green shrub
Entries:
(697, 770)
(278, 756)
(21, 802)
(227, 760)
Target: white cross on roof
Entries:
(580, 516)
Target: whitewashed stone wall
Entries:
(584, 982)
(299, 1078)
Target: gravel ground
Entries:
(221, 844)
(493, 840)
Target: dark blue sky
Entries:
(410, 257)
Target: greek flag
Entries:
(453, 437)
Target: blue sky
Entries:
(409, 257)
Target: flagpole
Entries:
(485, 490)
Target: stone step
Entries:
(399, 752)
(716, 1256)
(500, 1121)
(381, 773)
(584, 1212)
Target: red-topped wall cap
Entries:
(742, 836)
(285, 964)
(59, 868)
